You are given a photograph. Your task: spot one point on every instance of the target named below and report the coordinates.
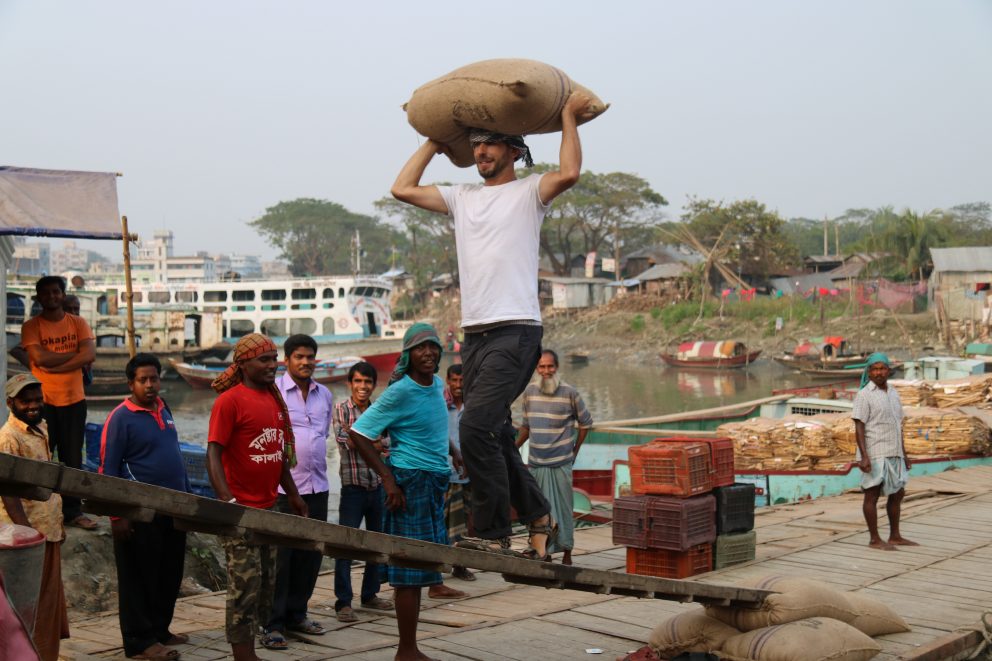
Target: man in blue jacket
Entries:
(140, 443)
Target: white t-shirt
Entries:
(498, 236)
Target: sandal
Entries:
(176, 639)
(157, 652)
(550, 529)
(500, 546)
(273, 640)
(347, 614)
(462, 573)
(307, 626)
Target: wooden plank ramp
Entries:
(141, 502)
(937, 587)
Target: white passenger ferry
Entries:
(330, 309)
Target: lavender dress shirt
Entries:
(311, 421)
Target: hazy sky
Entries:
(216, 110)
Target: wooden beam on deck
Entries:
(193, 512)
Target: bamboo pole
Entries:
(692, 415)
(127, 288)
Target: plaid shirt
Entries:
(354, 471)
(881, 411)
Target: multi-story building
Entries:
(31, 258)
(69, 258)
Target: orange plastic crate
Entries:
(721, 456)
(670, 564)
(677, 469)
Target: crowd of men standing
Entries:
(268, 448)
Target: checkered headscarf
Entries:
(251, 346)
(477, 136)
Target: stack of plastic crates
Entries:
(669, 525)
(735, 541)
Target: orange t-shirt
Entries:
(63, 336)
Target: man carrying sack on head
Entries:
(249, 455)
(497, 232)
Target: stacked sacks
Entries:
(804, 621)
(512, 96)
(813, 639)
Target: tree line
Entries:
(615, 214)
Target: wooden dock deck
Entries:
(938, 587)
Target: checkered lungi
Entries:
(422, 519)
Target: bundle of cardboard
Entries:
(791, 443)
(929, 432)
(827, 441)
(915, 392)
(967, 391)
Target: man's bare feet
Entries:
(881, 546)
(442, 591)
(413, 656)
(902, 541)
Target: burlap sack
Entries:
(813, 639)
(796, 599)
(516, 97)
(873, 617)
(692, 631)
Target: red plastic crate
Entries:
(670, 564)
(721, 456)
(630, 514)
(678, 524)
(677, 469)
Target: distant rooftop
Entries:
(972, 258)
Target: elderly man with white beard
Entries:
(552, 410)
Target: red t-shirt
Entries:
(249, 423)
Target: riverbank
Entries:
(636, 329)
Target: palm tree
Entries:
(906, 238)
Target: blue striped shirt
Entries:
(551, 420)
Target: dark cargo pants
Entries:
(496, 366)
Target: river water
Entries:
(611, 391)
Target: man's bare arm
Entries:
(394, 495)
(407, 186)
(215, 471)
(85, 355)
(859, 438)
(555, 183)
(45, 358)
(522, 436)
(580, 439)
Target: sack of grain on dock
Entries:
(800, 598)
(512, 96)
(691, 631)
(794, 599)
(811, 639)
